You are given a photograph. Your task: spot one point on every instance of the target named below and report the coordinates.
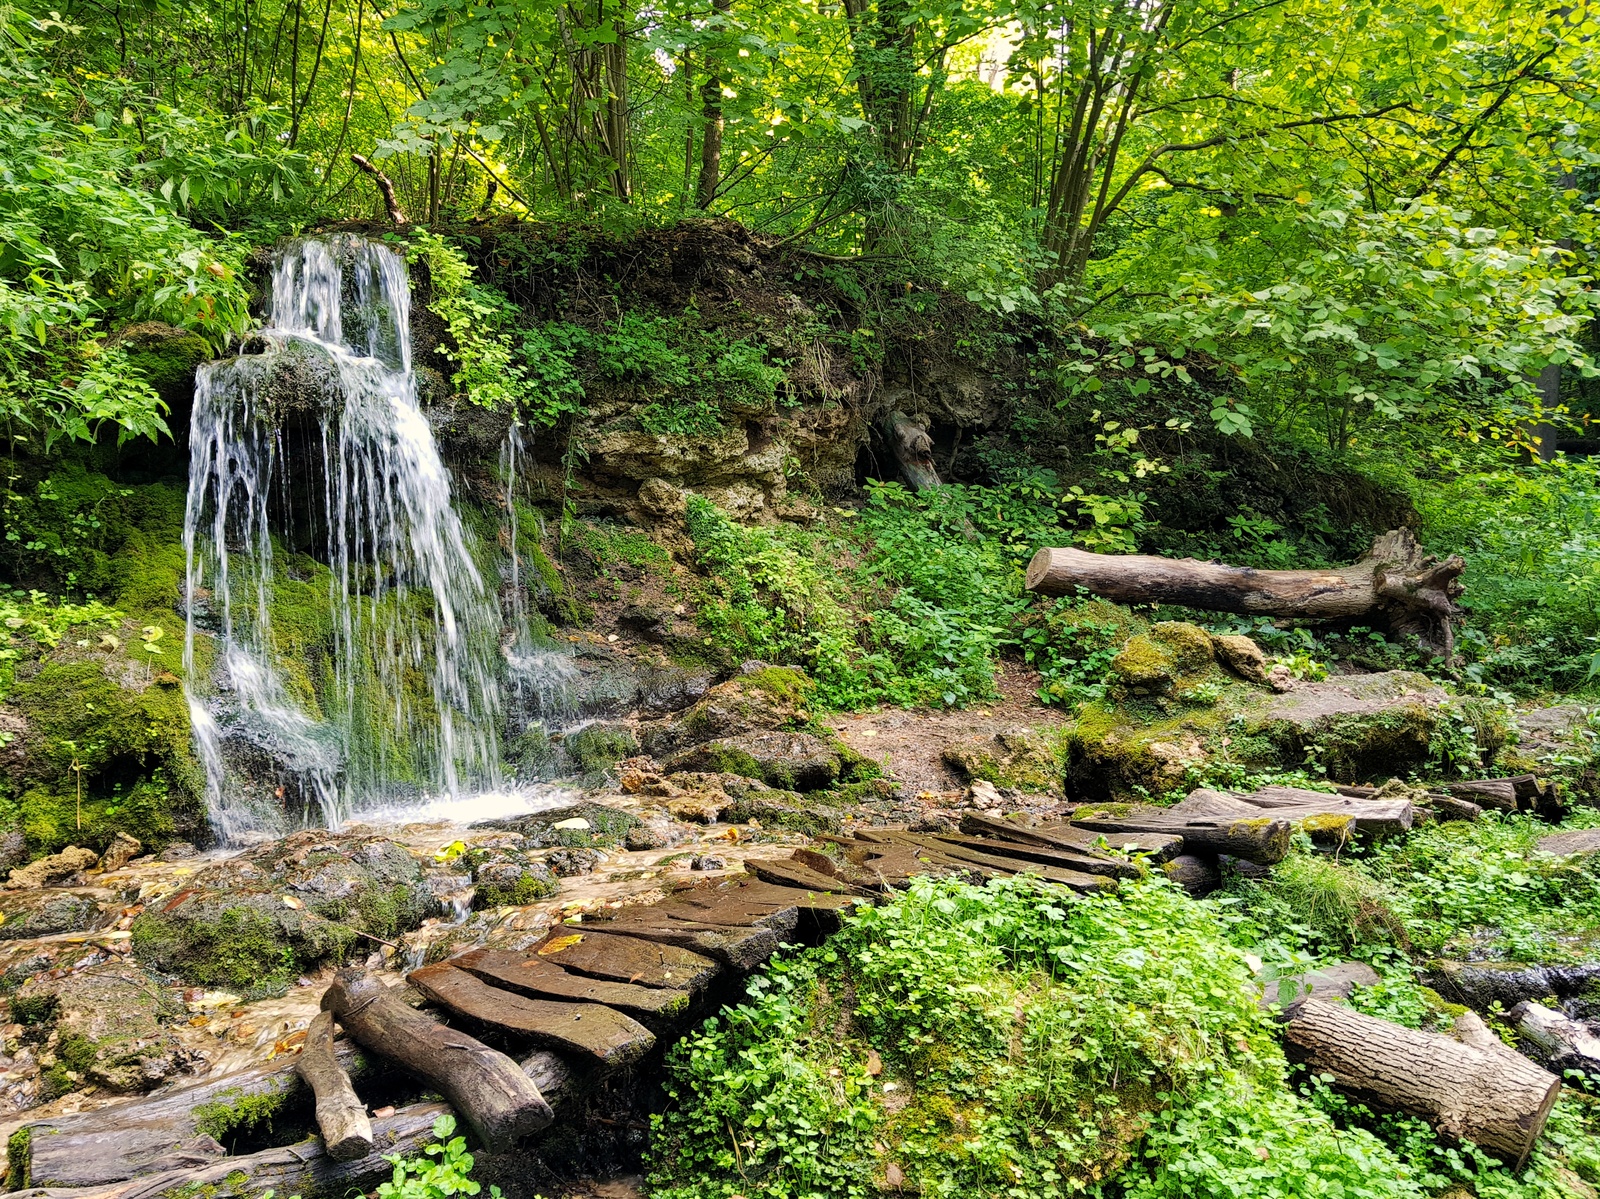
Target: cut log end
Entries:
(341, 1116)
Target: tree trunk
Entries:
(1566, 1044)
(1263, 839)
(397, 214)
(346, 1131)
(913, 450)
(711, 114)
(492, 1094)
(1395, 583)
(1469, 1089)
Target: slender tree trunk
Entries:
(616, 69)
(712, 120)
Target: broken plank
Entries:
(994, 863)
(655, 1007)
(1066, 859)
(584, 950)
(607, 1036)
(1263, 840)
(1158, 847)
(742, 948)
(791, 873)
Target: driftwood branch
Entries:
(397, 215)
(346, 1131)
(1395, 583)
(490, 1091)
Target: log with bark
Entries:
(1565, 1044)
(154, 1136)
(496, 1099)
(1328, 818)
(912, 449)
(1396, 584)
(1263, 839)
(391, 202)
(342, 1118)
(1472, 1088)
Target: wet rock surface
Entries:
(49, 912)
(258, 919)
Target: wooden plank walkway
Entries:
(603, 994)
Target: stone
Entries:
(509, 876)
(122, 850)
(1584, 840)
(46, 912)
(1242, 656)
(178, 851)
(1022, 758)
(983, 794)
(70, 862)
(758, 700)
(788, 761)
(112, 1024)
(544, 830)
(644, 837)
(13, 848)
(567, 863)
(258, 920)
(661, 499)
(707, 861)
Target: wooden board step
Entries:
(607, 1036)
(1066, 859)
(657, 1008)
(1157, 847)
(583, 949)
(790, 873)
(996, 863)
(742, 948)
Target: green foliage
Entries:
(1032, 1043)
(444, 1169)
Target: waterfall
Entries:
(355, 636)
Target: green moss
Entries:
(599, 747)
(854, 767)
(1143, 666)
(166, 356)
(235, 946)
(19, 1159)
(529, 888)
(783, 683)
(1188, 645)
(34, 1009)
(794, 818)
(77, 1051)
(225, 1117)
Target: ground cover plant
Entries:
(1012, 1040)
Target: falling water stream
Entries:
(406, 707)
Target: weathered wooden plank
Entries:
(656, 1008)
(1264, 840)
(598, 954)
(791, 873)
(590, 1029)
(742, 948)
(995, 863)
(1157, 847)
(1048, 855)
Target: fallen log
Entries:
(1439, 804)
(1396, 583)
(1262, 839)
(346, 1131)
(1334, 816)
(1566, 1044)
(496, 1099)
(85, 1153)
(1466, 1089)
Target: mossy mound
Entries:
(1021, 758)
(258, 920)
(788, 761)
(508, 876)
(760, 699)
(1356, 727)
(109, 1025)
(602, 826)
(168, 357)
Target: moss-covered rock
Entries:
(1356, 727)
(112, 1025)
(599, 747)
(48, 912)
(258, 920)
(509, 876)
(788, 761)
(1169, 654)
(1022, 758)
(167, 356)
(580, 825)
(758, 700)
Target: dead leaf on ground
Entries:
(874, 1063)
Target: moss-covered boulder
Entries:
(1153, 663)
(109, 1025)
(56, 910)
(788, 761)
(1355, 727)
(584, 825)
(1026, 759)
(509, 876)
(258, 920)
(760, 699)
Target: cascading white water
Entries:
(316, 452)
